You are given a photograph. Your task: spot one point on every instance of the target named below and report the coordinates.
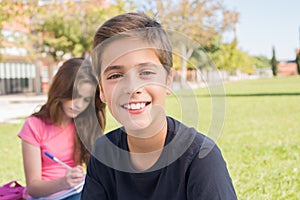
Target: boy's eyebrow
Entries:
(117, 67)
(111, 68)
(147, 64)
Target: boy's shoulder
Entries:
(185, 142)
(186, 135)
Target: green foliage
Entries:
(229, 57)
(17, 14)
(199, 59)
(224, 57)
(262, 62)
(9, 10)
(213, 46)
(70, 30)
(202, 22)
(4, 16)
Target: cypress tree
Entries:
(274, 63)
(298, 61)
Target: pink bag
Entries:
(11, 191)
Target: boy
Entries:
(152, 156)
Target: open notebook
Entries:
(65, 193)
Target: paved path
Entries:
(17, 106)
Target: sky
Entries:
(267, 23)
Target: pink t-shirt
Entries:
(57, 140)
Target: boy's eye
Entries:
(147, 73)
(114, 76)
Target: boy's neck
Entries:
(148, 144)
(144, 152)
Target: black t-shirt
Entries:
(190, 167)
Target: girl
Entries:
(66, 127)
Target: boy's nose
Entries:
(132, 85)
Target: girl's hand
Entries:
(74, 176)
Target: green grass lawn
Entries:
(259, 138)
(11, 167)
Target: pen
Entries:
(57, 160)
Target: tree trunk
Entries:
(186, 54)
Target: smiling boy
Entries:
(151, 156)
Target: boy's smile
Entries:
(135, 107)
(134, 85)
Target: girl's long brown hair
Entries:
(91, 122)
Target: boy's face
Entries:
(134, 85)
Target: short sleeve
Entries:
(32, 130)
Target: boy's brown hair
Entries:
(137, 25)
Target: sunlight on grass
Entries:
(11, 167)
(259, 140)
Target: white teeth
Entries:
(134, 106)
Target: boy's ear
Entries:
(102, 96)
(170, 81)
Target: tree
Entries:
(262, 62)
(274, 63)
(68, 32)
(71, 30)
(228, 57)
(298, 61)
(201, 22)
(14, 19)
(6, 14)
